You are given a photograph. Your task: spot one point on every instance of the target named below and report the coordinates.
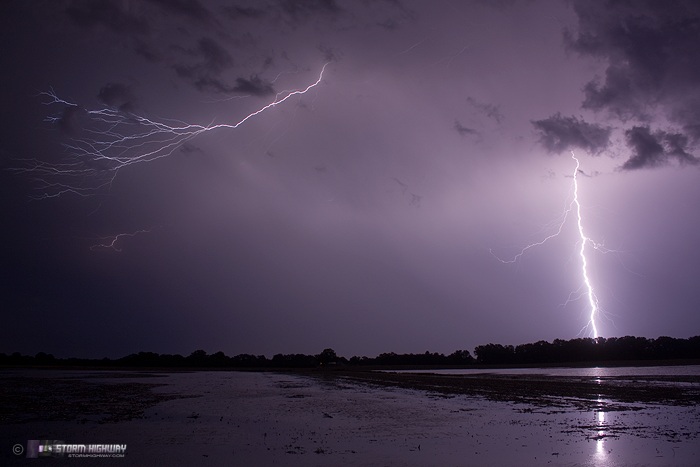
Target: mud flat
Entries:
(355, 418)
(585, 392)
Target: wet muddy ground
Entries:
(356, 418)
(584, 392)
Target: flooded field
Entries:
(615, 371)
(358, 418)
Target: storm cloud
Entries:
(255, 86)
(489, 110)
(656, 149)
(463, 130)
(188, 9)
(210, 60)
(118, 95)
(559, 134)
(108, 14)
(358, 215)
(653, 67)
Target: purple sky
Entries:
(360, 215)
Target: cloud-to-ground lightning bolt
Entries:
(117, 140)
(592, 299)
(111, 242)
(584, 241)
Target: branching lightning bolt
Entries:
(584, 241)
(118, 140)
(592, 299)
(111, 242)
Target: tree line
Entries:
(574, 351)
(628, 348)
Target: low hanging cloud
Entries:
(463, 130)
(190, 10)
(133, 17)
(302, 8)
(236, 12)
(118, 96)
(204, 74)
(69, 120)
(656, 149)
(489, 110)
(559, 134)
(254, 85)
(653, 73)
(109, 15)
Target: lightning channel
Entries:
(592, 299)
(116, 140)
(112, 242)
(573, 206)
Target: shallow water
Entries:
(602, 372)
(278, 419)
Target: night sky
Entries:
(367, 214)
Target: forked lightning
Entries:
(584, 241)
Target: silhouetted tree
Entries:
(327, 357)
(249, 361)
(44, 359)
(294, 361)
(460, 357)
(497, 354)
(559, 351)
(693, 347)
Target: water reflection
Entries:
(600, 455)
(599, 372)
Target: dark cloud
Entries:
(205, 82)
(655, 149)
(688, 112)
(414, 199)
(389, 24)
(215, 58)
(489, 110)
(190, 9)
(595, 173)
(254, 86)
(463, 130)
(302, 8)
(146, 51)
(647, 149)
(329, 54)
(239, 12)
(109, 14)
(69, 120)
(403, 186)
(653, 70)
(558, 133)
(204, 74)
(497, 4)
(616, 94)
(288, 12)
(189, 149)
(117, 95)
(313, 190)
